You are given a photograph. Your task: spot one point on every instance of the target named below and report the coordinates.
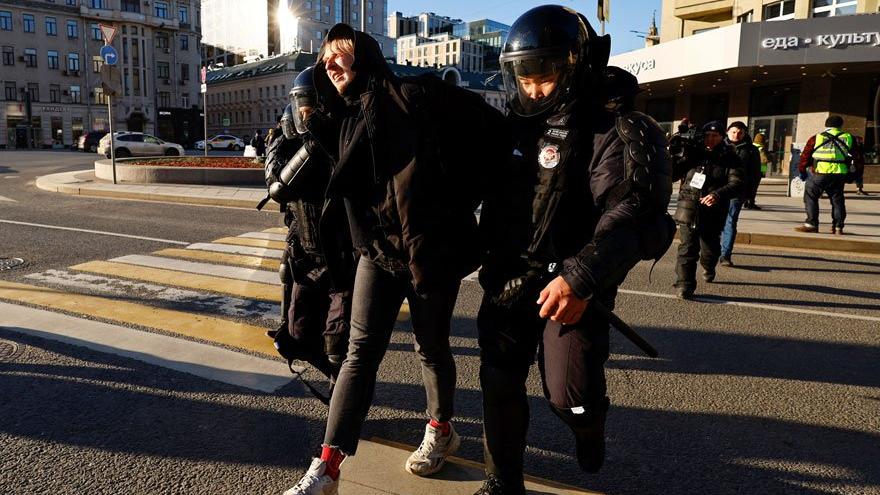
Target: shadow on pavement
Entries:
(7, 170)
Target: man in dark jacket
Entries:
(398, 158)
(710, 182)
(749, 157)
(585, 199)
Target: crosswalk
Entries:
(225, 292)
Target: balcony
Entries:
(698, 9)
(122, 16)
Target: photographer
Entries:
(712, 176)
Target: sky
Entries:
(626, 15)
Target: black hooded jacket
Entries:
(415, 155)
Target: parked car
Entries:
(222, 142)
(138, 144)
(88, 142)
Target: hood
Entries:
(369, 64)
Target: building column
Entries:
(682, 109)
(814, 107)
(738, 104)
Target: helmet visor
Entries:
(302, 103)
(535, 83)
(287, 124)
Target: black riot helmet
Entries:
(549, 44)
(303, 98)
(287, 125)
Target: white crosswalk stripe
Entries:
(233, 249)
(234, 272)
(264, 235)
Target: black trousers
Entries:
(318, 318)
(700, 243)
(377, 297)
(571, 360)
(832, 184)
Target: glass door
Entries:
(778, 131)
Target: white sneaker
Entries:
(432, 453)
(315, 482)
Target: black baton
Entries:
(625, 329)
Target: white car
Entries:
(138, 144)
(222, 142)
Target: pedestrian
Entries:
(829, 156)
(577, 214)
(711, 180)
(259, 144)
(766, 164)
(859, 165)
(754, 166)
(403, 145)
(750, 158)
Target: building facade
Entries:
(52, 71)
(780, 66)
(235, 33)
(440, 50)
(491, 34)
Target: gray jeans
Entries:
(376, 301)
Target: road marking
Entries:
(240, 288)
(232, 272)
(265, 235)
(203, 360)
(100, 232)
(239, 335)
(276, 230)
(226, 306)
(220, 258)
(4, 198)
(243, 241)
(230, 249)
(785, 309)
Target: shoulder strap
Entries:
(837, 143)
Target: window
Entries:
(51, 26)
(97, 4)
(184, 72)
(746, 17)
(72, 29)
(162, 41)
(71, 2)
(33, 89)
(162, 70)
(100, 97)
(29, 25)
(73, 62)
(10, 91)
(53, 59)
(96, 32)
(8, 55)
(5, 20)
(131, 6)
(75, 94)
(183, 14)
(831, 8)
(184, 42)
(184, 101)
(161, 9)
(164, 99)
(54, 93)
(779, 11)
(30, 57)
(97, 63)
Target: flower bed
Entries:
(199, 162)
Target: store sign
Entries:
(54, 109)
(637, 68)
(839, 40)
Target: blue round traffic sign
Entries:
(109, 55)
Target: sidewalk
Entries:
(773, 226)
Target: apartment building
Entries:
(51, 70)
(440, 50)
(780, 66)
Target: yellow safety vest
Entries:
(763, 157)
(829, 157)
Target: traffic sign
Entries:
(109, 33)
(109, 55)
(204, 75)
(204, 88)
(226, 121)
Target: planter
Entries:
(158, 174)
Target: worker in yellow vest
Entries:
(830, 154)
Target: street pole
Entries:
(205, 120)
(112, 143)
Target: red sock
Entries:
(333, 457)
(443, 427)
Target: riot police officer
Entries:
(710, 180)
(316, 308)
(585, 199)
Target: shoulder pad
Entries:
(640, 127)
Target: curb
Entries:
(46, 183)
(850, 246)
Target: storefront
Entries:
(782, 78)
(181, 126)
(52, 125)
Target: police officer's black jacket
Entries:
(414, 155)
(725, 175)
(750, 158)
(594, 233)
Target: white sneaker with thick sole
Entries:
(315, 482)
(432, 453)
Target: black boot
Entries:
(494, 486)
(590, 444)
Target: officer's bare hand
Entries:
(559, 302)
(709, 200)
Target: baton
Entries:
(625, 329)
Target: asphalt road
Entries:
(768, 383)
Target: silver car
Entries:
(138, 144)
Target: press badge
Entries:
(698, 180)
